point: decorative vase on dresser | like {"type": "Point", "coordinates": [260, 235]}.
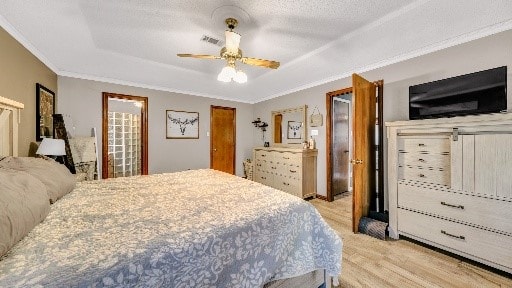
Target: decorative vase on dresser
{"type": "Point", "coordinates": [450, 185]}
{"type": "Point", "coordinates": [292, 170]}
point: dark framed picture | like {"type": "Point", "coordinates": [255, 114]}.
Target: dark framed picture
{"type": "Point", "coordinates": [182, 124]}
{"type": "Point", "coordinates": [294, 130]}
{"type": "Point", "coordinates": [45, 108]}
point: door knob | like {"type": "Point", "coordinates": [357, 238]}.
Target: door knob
{"type": "Point", "coordinates": [345, 151]}
{"type": "Point", "coordinates": [214, 150]}
{"type": "Point", "coordinates": [356, 161]}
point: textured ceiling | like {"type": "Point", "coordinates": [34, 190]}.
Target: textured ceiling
{"type": "Point", "coordinates": [135, 42]}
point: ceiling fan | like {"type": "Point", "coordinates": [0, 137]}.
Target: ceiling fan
{"type": "Point", "coordinates": [232, 53]}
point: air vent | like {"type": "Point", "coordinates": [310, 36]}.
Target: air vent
{"type": "Point", "coordinates": [212, 40]}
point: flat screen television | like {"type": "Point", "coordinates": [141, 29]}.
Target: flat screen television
{"type": "Point", "coordinates": [475, 93]}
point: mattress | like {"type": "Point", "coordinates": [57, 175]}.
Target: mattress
{"type": "Point", "coordinates": [200, 228]}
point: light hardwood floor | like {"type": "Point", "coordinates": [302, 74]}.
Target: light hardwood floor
{"type": "Point", "coordinates": [369, 262]}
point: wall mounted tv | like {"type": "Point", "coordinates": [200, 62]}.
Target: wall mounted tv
{"type": "Point", "coordinates": [475, 93]}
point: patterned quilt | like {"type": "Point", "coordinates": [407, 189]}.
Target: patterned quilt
{"type": "Point", "coordinates": [199, 228]}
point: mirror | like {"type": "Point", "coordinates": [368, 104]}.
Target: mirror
{"type": "Point", "coordinates": [289, 127]}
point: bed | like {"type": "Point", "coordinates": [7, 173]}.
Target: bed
{"type": "Point", "coordinates": [199, 228]}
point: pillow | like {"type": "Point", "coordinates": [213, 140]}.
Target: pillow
{"type": "Point", "coordinates": [23, 205]}
{"type": "Point", "coordinates": [56, 177]}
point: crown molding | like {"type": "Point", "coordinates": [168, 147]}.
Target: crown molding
{"type": "Point", "coordinates": [461, 39]}
{"type": "Point", "coordinates": [145, 86]}
{"type": "Point", "coordinates": [25, 43]}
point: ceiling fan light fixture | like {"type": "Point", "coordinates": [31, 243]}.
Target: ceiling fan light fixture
{"type": "Point", "coordinates": [232, 42]}
{"type": "Point", "coordinates": [240, 77]}
{"type": "Point", "coordinates": [228, 72]}
{"type": "Point", "coordinates": [222, 78]}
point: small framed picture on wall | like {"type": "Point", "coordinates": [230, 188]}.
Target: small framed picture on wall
{"type": "Point", "coordinates": [294, 130]}
{"type": "Point", "coordinates": [182, 124]}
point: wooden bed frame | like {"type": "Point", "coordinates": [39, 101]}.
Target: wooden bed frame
{"type": "Point", "coordinates": [9, 120]}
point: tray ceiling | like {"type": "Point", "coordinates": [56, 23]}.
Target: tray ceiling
{"type": "Point", "coordinates": [136, 42]}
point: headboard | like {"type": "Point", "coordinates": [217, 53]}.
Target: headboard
{"type": "Point", "coordinates": [9, 120]}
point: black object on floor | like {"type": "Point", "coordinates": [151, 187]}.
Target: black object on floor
{"type": "Point", "coordinates": [372, 227]}
{"type": "Point", "coordinates": [381, 216]}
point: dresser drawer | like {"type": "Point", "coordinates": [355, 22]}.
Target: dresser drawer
{"type": "Point", "coordinates": [288, 157]}
{"type": "Point", "coordinates": [425, 160]}
{"type": "Point", "coordinates": [489, 213]}
{"type": "Point", "coordinates": [476, 242]}
{"type": "Point", "coordinates": [262, 154]}
{"type": "Point", "coordinates": [425, 174]}
{"type": "Point", "coordinates": [263, 177]}
{"type": "Point", "coordinates": [291, 185]}
{"type": "Point", "coordinates": [423, 144]}
{"type": "Point", "coordinates": [290, 169]}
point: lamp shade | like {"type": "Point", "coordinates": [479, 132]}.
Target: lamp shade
{"type": "Point", "coordinates": [51, 147]}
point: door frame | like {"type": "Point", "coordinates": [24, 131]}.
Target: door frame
{"type": "Point", "coordinates": [144, 130]}
{"type": "Point", "coordinates": [380, 108]}
{"type": "Point", "coordinates": [212, 107]}
{"type": "Point", "coordinates": [328, 127]}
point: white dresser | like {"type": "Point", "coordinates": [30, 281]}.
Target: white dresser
{"type": "Point", "coordinates": [450, 185]}
{"type": "Point", "coordinates": [288, 169]}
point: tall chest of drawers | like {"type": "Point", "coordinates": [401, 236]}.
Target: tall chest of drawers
{"type": "Point", "coordinates": [450, 185]}
{"type": "Point", "coordinates": [288, 169]}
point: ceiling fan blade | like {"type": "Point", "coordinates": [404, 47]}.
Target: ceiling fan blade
{"type": "Point", "coordinates": [200, 56]}
{"type": "Point", "coordinates": [260, 62]}
{"type": "Point", "coordinates": [232, 42]}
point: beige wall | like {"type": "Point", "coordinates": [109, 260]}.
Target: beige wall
{"type": "Point", "coordinates": [81, 103]}
{"type": "Point", "coordinates": [20, 70]}
{"type": "Point", "coordinates": [481, 54]}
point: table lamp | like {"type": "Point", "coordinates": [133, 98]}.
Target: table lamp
{"type": "Point", "coordinates": [54, 148]}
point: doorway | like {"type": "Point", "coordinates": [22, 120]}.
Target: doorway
{"type": "Point", "coordinates": [124, 135]}
{"type": "Point", "coordinates": [364, 154]}
{"type": "Point", "coordinates": [223, 138]}
{"type": "Point", "coordinates": [341, 144]}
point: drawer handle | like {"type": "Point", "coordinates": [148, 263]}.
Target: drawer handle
{"type": "Point", "coordinates": [287, 184]}
{"type": "Point", "coordinates": [263, 155]}
{"type": "Point", "coordinates": [422, 176]}
{"type": "Point", "coordinates": [263, 177]}
{"type": "Point", "coordinates": [293, 171]}
{"type": "Point", "coordinates": [286, 158]}
{"type": "Point", "coordinates": [421, 144]}
{"type": "Point", "coordinates": [422, 160]}
{"type": "Point", "coordinates": [273, 167]}
{"type": "Point", "coordinates": [454, 236]}
{"type": "Point", "coordinates": [451, 205]}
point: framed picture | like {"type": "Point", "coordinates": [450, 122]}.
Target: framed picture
{"type": "Point", "coordinates": [182, 125]}
{"type": "Point", "coordinates": [45, 108]}
{"type": "Point", "coordinates": [294, 130]}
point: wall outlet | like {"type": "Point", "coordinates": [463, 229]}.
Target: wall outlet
{"type": "Point", "coordinates": [314, 132]}
{"type": "Point", "coordinates": [207, 133]}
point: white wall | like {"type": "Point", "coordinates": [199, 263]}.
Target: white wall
{"type": "Point", "coordinates": [82, 100]}
{"type": "Point", "coordinates": [485, 53]}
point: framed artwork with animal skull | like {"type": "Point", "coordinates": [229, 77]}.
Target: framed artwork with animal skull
{"type": "Point", "coordinates": [294, 130]}
{"type": "Point", "coordinates": [182, 125]}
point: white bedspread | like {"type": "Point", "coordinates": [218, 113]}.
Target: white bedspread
{"type": "Point", "coordinates": [198, 228]}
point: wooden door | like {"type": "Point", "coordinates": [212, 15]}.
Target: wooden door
{"type": "Point", "coordinates": [223, 138]}
{"type": "Point", "coordinates": [363, 161]}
